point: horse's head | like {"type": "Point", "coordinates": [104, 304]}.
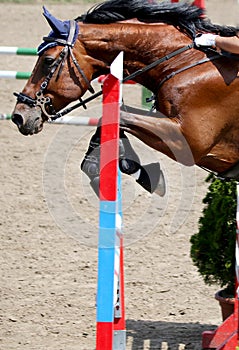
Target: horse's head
{"type": "Point", "coordinates": [61, 75]}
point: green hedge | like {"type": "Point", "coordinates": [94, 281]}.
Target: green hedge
{"type": "Point", "coordinates": [213, 247]}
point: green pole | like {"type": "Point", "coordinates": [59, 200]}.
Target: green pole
{"type": "Point", "coordinates": [26, 51]}
{"type": "Point", "coordinates": [146, 94]}
{"type": "Point", "coordinates": [23, 75]}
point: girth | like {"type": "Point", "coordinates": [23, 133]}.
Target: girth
{"type": "Point", "coordinates": [230, 174]}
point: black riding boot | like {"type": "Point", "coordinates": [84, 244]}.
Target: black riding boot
{"type": "Point", "coordinates": [91, 162]}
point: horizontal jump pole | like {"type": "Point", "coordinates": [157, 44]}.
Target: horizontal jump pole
{"type": "Point", "coordinates": [5, 116]}
{"type": "Point", "coordinates": [70, 120]}
{"type": "Point", "coordinates": [13, 50]}
{"type": "Point", "coordinates": [67, 120]}
{"type": "Point", "coordinates": [12, 74]}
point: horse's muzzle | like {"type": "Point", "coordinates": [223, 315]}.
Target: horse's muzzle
{"type": "Point", "coordinates": [29, 124]}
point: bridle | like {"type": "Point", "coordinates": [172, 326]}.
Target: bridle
{"type": "Point", "coordinates": [44, 102]}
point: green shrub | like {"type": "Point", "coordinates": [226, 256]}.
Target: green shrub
{"type": "Point", "coordinates": [213, 247]}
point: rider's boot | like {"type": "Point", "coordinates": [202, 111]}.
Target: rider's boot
{"type": "Point", "coordinates": [91, 162]}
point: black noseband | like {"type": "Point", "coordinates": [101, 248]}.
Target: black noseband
{"type": "Point", "coordinates": [22, 98]}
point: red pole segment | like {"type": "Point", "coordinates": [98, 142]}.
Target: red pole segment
{"type": "Point", "coordinates": [109, 139]}
{"type": "Point", "coordinates": [198, 3]}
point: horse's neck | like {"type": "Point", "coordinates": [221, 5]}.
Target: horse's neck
{"type": "Point", "coordinates": [141, 43]}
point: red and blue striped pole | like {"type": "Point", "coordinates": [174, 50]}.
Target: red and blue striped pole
{"type": "Point", "coordinates": [110, 293]}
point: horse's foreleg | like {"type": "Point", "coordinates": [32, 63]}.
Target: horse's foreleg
{"type": "Point", "coordinates": [149, 176]}
{"type": "Point", "coordinates": [161, 134]}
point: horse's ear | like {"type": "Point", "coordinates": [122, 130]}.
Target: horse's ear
{"type": "Point", "coordinates": [56, 25]}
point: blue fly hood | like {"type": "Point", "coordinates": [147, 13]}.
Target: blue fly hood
{"type": "Point", "coordinates": [60, 30]}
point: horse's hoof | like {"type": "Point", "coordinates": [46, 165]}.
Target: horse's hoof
{"type": "Point", "coordinates": [161, 187]}
{"type": "Point", "coordinates": [149, 177]}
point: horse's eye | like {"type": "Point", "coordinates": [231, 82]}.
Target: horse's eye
{"type": "Point", "coordinates": [48, 61]}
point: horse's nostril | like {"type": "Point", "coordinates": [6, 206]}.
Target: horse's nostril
{"type": "Point", "coordinates": [18, 119]}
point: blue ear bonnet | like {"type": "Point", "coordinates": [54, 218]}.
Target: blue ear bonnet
{"type": "Point", "coordinates": [60, 30]}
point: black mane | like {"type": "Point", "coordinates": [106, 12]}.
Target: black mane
{"type": "Point", "coordinates": [184, 16]}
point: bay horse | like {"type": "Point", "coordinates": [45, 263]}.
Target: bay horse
{"type": "Point", "coordinates": [196, 90]}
